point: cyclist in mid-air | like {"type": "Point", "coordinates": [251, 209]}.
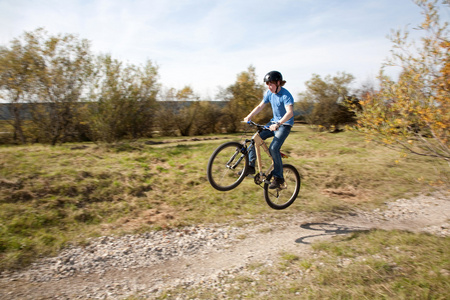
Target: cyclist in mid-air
{"type": "Point", "coordinates": [280, 125]}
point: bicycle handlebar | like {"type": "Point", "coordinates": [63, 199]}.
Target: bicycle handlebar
{"type": "Point", "coordinates": [259, 126]}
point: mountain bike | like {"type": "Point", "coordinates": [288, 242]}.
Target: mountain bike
{"type": "Point", "coordinates": [227, 168]}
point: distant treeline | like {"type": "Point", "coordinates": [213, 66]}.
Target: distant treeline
{"type": "Point", "coordinates": [26, 108]}
{"type": "Point", "coordinates": [171, 118]}
{"type": "Point", "coordinates": [55, 90]}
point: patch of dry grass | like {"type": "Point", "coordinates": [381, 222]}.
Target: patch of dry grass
{"type": "Point", "coordinates": [51, 196]}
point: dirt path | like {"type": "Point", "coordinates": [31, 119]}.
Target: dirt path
{"type": "Point", "coordinates": [256, 243]}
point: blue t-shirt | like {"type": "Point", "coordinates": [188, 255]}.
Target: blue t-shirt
{"type": "Point", "coordinates": [279, 102]}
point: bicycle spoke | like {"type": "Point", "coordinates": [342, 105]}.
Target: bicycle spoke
{"type": "Point", "coordinates": [224, 166]}
{"type": "Point", "coordinates": [283, 197]}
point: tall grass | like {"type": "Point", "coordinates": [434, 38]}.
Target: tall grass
{"type": "Point", "coordinates": [52, 196]}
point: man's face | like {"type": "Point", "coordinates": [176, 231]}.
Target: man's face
{"type": "Point", "coordinates": [273, 86]}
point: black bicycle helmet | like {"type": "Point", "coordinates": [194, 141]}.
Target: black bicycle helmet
{"type": "Point", "coordinates": [273, 76]}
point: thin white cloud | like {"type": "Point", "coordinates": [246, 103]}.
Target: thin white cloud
{"type": "Point", "coordinates": [206, 43]}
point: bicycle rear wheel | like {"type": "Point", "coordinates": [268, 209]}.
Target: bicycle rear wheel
{"type": "Point", "coordinates": [283, 197]}
{"type": "Point", "coordinates": [227, 166]}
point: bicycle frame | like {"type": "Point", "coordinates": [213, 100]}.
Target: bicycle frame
{"type": "Point", "coordinates": [259, 143]}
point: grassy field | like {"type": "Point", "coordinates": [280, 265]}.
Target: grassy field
{"type": "Point", "coordinates": [54, 196]}
{"type": "Point", "coordinates": [375, 264]}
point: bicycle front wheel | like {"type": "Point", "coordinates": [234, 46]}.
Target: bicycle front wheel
{"type": "Point", "coordinates": [227, 166]}
{"type": "Point", "coordinates": [284, 196]}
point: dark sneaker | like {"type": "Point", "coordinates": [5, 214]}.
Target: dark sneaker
{"type": "Point", "coordinates": [276, 183]}
{"type": "Point", "coordinates": [250, 171]}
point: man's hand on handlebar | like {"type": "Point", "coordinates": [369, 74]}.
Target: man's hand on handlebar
{"type": "Point", "coordinates": [274, 127]}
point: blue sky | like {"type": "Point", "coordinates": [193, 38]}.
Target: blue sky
{"type": "Point", "coordinates": [206, 43]}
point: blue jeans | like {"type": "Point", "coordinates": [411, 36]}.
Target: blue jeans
{"type": "Point", "coordinates": [279, 137]}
